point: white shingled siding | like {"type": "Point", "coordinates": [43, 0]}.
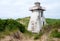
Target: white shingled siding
{"type": "Point", "coordinates": [36, 22]}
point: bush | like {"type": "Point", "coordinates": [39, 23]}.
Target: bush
{"type": "Point", "coordinates": [55, 33]}
{"type": "Point", "coordinates": [37, 36]}
{"type": "Point", "coordinates": [9, 25]}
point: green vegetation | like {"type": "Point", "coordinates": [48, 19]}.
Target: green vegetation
{"type": "Point", "coordinates": [52, 24]}
{"type": "Point", "coordinates": [55, 27]}
{"type": "Point", "coordinates": [8, 26]}
{"type": "Point", "coordinates": [24, 21]}
{"type": "Point", "coordinates": [55, 33]}
{"type": "Point", "coordinates": [52, 21]}
{"type": "Point", "coordinates": [37, 36]}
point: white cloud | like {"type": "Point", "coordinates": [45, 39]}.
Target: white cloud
{"type": "Point", "coordinates": [20, 8]}
{"type": "Point", "coordinates": [52, 6]}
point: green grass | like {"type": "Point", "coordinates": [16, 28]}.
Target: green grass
{"type": "Point", "coordinates": [52, 21]}
{"type": "Point", "coordinates": [24, 21]}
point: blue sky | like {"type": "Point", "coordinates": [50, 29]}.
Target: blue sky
{"type": "Point", "coordinates": [20, 8]}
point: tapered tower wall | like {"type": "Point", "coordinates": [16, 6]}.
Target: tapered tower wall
{"type": "Point", "coordinates": [37, 19]}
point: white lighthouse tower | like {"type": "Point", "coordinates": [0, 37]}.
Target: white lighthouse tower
{"type": "Point", "coordinates": [37, 20]}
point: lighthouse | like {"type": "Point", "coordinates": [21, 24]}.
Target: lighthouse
{"type": "Point", "coordinates": [37, 19]}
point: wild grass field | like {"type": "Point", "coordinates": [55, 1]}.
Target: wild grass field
{"type": "Point", "coordinates": [8, 26]}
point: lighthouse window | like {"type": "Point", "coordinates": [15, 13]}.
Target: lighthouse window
{"type": "Point", "coordinates": [43, 23]}
{"type": "Point", "coordinates": [41, 13]}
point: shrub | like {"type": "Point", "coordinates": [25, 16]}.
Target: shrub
{"type": "Point", "coordinates": [55, 33]}
{"type": "Point", "coordinates": [9, 25]}
{"type": "Point", "coordinates": [37, 36]}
